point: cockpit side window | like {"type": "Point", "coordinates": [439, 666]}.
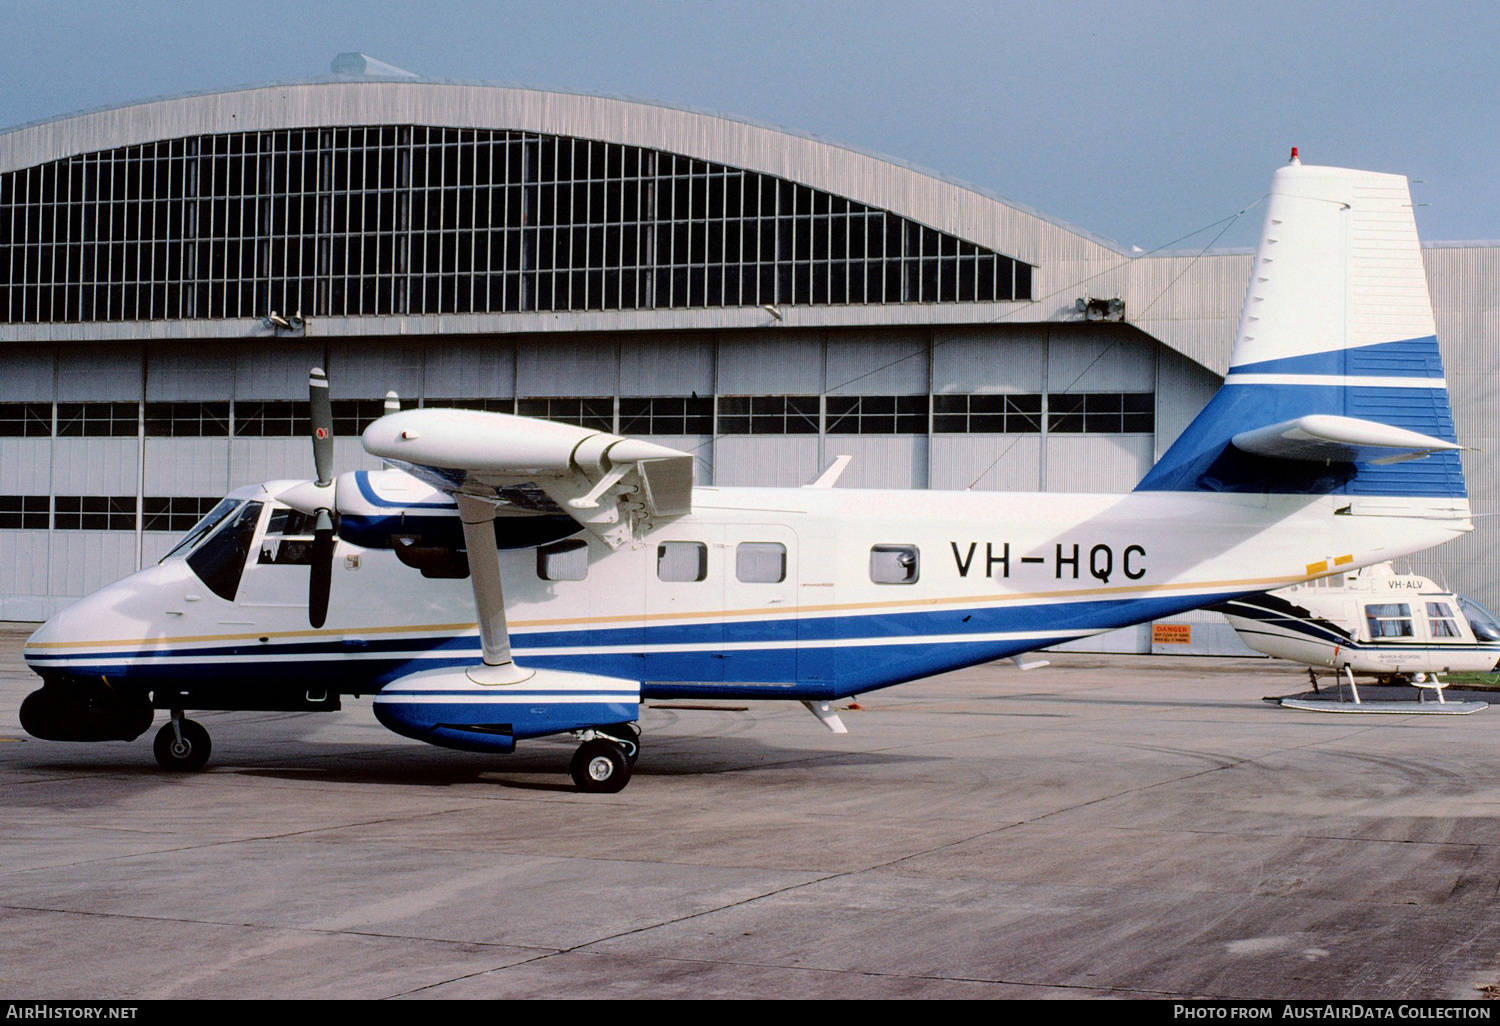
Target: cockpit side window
{"type": "Point", "coordinates": [219, 561]}
{"type": "Point", "coordinates": [201, 528]}
{"type": "Point", "coordinates": [289, 538]}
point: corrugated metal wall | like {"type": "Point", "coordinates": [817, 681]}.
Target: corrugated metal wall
{"type": "Point", "coordinates": [1464, 282]}
{"type": "Point", "coordinates": [45, 569]}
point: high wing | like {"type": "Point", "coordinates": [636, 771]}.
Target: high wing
{"type": "Point", "coordinates": [618, 488]}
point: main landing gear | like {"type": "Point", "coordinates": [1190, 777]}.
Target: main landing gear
{"type": "Point", "coordinates": [182, 745]}
{"type": "Point", "coordinates": [603, 762]}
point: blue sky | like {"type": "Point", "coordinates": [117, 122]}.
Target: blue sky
{"type": "Point", "coordinates": [1141, 121]}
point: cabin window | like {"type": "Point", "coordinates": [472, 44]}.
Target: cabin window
{"type": "Point", "coordinates": [1389, 620]}
{"type": "Point", "coordinates": [219, 561]}
{"type": "Point", "coordinates": [682, 561]}
{"type": "Point", "coordinates": [1441, 621]}
{"type": "Point", "coordinates": [563, 561]}
{"type": "Point", "coordinates": [894, 564]}
{"type": "Point", "coordinates": [760, 562]}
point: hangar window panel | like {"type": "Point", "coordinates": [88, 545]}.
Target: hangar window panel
{"type": "Point", "coordinates": [25, 420]}
{"type": "Point", "coordinates": [487, 405]}
{"type": "Point", "coordinates": [408, 219]}
{"type": "Point", "coordinates": [175, 513]}
{"type": "Point", "coordinates": [93, 512]}
{"type": "Point", "coordinates": [596, 412]}
{"type": "Point", "coordinates": [666, 415]}
{"type": "Point", "coordinates": [187, 420]}
{"type": "Point", "coordinates": [877, 414]}
{"type": "Point", "coordinates": [1001, 414]}
{"type": "Point", "coordinates": [1101, 412]}
{"type": "Point", "coordinates": [271, 419]}
{"type": "Point", "coordinates": [94, 420]}
{"type": "Point", "coordinates": [768, 415]}
{"type": "Point", "coordinates": [24, 512]}
{"type": "Point", "coordinates": [352, 416]}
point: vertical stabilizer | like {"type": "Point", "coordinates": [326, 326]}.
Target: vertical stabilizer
{"type": "Point", "coordinates": [1339, 267]}
{"type": "Point", "coordinates": [1337, 330]}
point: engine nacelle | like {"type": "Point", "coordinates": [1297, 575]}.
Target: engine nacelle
{"type": "Point", "coordinates": [446, 708]}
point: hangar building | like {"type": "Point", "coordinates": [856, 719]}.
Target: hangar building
{"type": "Point", "coordinates": [169, 271]}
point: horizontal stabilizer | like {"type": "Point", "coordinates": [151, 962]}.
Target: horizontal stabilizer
{"type": "Point", "coordinates": [1330, 438]}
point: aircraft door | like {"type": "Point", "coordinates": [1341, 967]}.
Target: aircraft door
{"type": "Point", "coordinates": [684, 629]}
{"type": "Point", "coordinates": [760, 602]}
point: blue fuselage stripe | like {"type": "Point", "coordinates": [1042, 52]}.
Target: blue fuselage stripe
{"type": "Point", "coordinates": [813, 655]}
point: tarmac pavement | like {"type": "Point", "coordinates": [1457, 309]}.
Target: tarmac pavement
{"type": "Point", "coordinates": [1106, 826]}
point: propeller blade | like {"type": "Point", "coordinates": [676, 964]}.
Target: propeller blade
{"type": "Point", "coordinates": [320, 412]}
{"type": "Point", "coordinates": [320, 581]}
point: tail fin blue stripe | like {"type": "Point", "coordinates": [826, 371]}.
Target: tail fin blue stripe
{"type": "Point", "coordinates": [1408, 358]}
{"type": "Point", "coordinates": [1203, 459]}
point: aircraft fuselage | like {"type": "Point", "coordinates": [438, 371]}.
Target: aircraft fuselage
{"type": "Point", "coordinates": [758, 593]}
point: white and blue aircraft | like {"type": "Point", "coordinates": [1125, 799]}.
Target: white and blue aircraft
{"type": "Point", "coordinates": [601, 577]}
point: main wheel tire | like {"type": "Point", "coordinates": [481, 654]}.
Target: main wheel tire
{"type": "Point", "coordinates": [184, 756]}
{"type": "Point", "coordinates": [600, 767]}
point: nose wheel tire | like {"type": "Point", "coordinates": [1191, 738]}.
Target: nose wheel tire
{"type": "Point", "coordinates": [182, 746]}
{"type": "Point", "coordinates": [600, 767]}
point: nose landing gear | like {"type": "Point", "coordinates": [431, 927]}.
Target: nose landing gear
{"type": "Point", "coordinates": [182, 745]}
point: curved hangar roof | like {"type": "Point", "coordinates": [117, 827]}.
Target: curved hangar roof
{"type": "Point", "coordinates": [408, 207]}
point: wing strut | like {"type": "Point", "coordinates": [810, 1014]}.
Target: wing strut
{"type": "Point", "coordinates": [478, 518]}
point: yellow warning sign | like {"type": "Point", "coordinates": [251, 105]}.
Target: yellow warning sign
{"type": "Point", "coordinates": [1171, 634]}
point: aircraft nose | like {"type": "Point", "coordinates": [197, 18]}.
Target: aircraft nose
{"type": "Point", "coordinates": [125, 609]}
{"type": "Point", "coordinates": [79, 622]}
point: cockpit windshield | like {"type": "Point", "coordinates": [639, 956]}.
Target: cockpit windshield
{"type": "Point", "coordinates": [201, 528]}
{"type": "Point", "coordinates": [1486, 627]}
{"type": "Point", "coordinates": [219, 561]}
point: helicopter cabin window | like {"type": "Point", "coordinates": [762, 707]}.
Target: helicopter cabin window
{"type": "Point", "coordinates": [760, 562]}
{"type": "Point", "coordinates": [1440, 620]}
{"type": "Point", "coordinates": [289, 538]}
{"type": "Point", "coordinates": [563, 561]}
{"type": "Point", "coordinates": [219, 561]}
{"type": "Point", "coordinates": [894, 564]}
{"type": "Point", "coordinates": [1389, 620]}
{"type": "Point", "coordinates": [680, 561]}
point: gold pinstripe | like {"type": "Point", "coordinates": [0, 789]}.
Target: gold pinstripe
{"type": "Point", "coordinates": [1254, 583]}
